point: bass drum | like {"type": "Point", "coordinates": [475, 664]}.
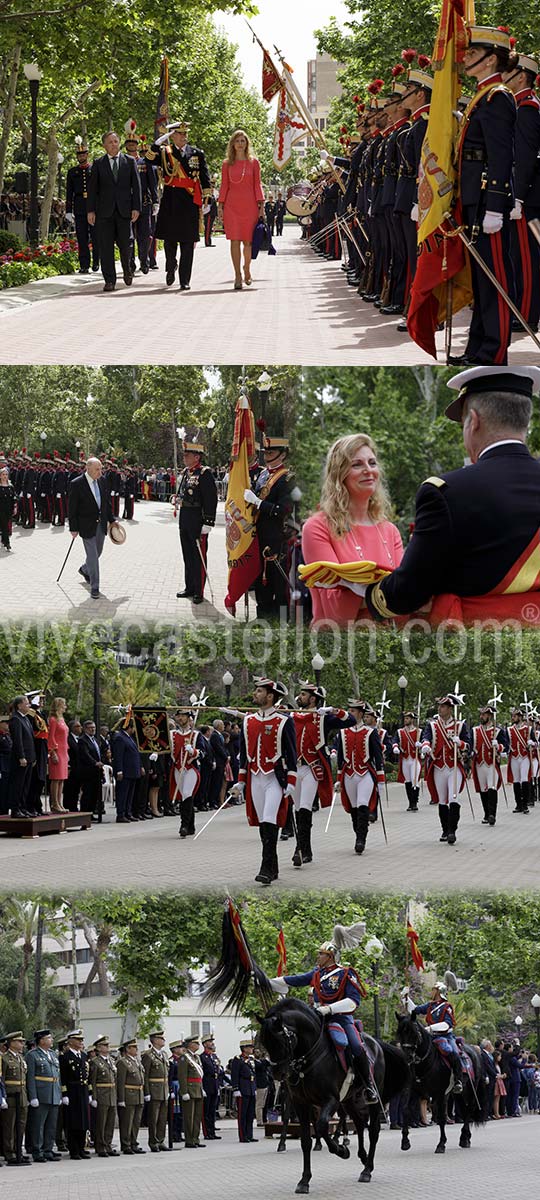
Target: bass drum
{"type": "Point", "coordinates": [300, 206]}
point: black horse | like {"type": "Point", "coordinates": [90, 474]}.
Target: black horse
{"type": "Point", "coordinates": [432, 1079]}
{"type": "Point", "coordinates": [303, 1057]}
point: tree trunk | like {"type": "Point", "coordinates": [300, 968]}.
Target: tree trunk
{"type": "Point", "coordinates": [28, 951]}
{"type": "Point", "coordinates": [76, 994]}
{"type": "Point", "coordinates": [9, 109]}
{"type": "Point", "coordinates": [39, 960]}
{"type": "Point", "coordinates": [50, 184]}
{"type": "Point", "coordinates": [131, 1016]}
{"type": "Point", "coordinates": [98, 946]}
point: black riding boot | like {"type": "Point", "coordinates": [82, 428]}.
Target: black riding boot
{"type": "Point", "coordinates": [187, 819]}
{"type": "Point", "coordinates": [485, 797]}
{"type": "Point", "coordinates": [298, 856]}
{"type": "Point", "coordinates": [518, 798]}
{"type": "Point", "coordinates": [408, 791]}
{"type": "Point", "coordinates": [443, 818]}
{"type": "Point", "coordinates": [362, 824]}
{"type": "Point", "coordinates": [532, 792]}
{"type": "Point", "coordinates": [363, 1077]}
{"type": "Point", "coordinates": [457, 1071]}
{"type": "Point", "coordinates": [265, 871]}
{"type": "Point", "coordinates": [525, 795]}
{"type": "Point", "coordinates": [303, 846]}
{"type": "Point", "coordinates": [415, 794]}
{"type": "Point", "coordinates": [492, 803]}
{"type": "Point", "coordinates": [272, 852]}
{"type": "Point", "coordinates": [454, 812]}
{"type": "Point", "coordinates": [307, 852]}
{"type": "Point", "coordinates": [288, 828]}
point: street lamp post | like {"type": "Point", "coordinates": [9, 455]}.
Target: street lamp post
{"type": "Point", "coordinates": [43, 439]}
{"type": "Point", "coordinates": [33, 75]}
{"type": "Point", "coordinates": [228, 681]}
{"type": "Point", "coordinates": [264, 383]}
{"type": "Point", "coordinates": [518, 1022]}
{"type": "Point", "coordinates": [536, 1005]}
{"type": "Point", "coordinates": [210, 425]}
{"type": "Point", "coordinates": [317, 663]}
{"type": "Point", "coordinates": [402, 685]}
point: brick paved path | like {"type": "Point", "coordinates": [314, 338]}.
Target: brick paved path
{"type": "Point", "coordinates": [300, 311]}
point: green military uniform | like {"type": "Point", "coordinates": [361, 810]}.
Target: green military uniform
{"type": "Point", "coordinates": [156, 1087]}
{"type": "Point", "coordinates": [102, 1085]}
{"type": "Point", "coordinates": [130, 1099]}
{"type": "Point", "coordinates": [45, 1096]}
{"type": "Point", "coordinates": [14, 1116]}
{"type": "Point", "coordinates": [190, 1074]}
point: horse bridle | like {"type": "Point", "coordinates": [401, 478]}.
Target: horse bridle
{"type": "Point", "coordinates": [299, 1066]}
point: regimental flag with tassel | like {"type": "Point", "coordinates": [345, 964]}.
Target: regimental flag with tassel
{"type": "Point", "coordinates": [442, 283]}
{"type": "Point", "coordinates": [289, 129]}
{"type": "Point", "coordinates": [231, 978]}
{"type": "Point", "coordinates": [162, 108]}
{"type": "Point", "coordinates": [271, 79]}
{"type": "Point", "coordinates": [151, 730]}
{"type": "Point", "coordinates": [281, 953]}
{"type": "Point", "coordinates": [414, 947]}
{"type": "Point", "coordinates": [243, 554]}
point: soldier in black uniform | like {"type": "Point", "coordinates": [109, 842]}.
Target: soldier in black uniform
{"type": "Point", "coordinates": [74, 1074]}
{"type": "Point", "coordinates": [475, 528]}
{"type": "Point", "coordinates": [270, 214]}
{"type": "Point", "coordinates": [141, 229]}
{"type": "Point", "coordinates": [186, 183]}
{"type": "Point", "coordinates": [271, 496]}
{"type": "Point", "coordinates": [281, 209]}
{"type": "Point", "coordinates": [60, 483]}
{"type": "Point", "coordinates": [197, 499]}
{"type": "Point", "coordinates": [210, 214]}
{"type": "Point", "coordinates": [486, 154]}
{"type": "Point", "coordinates": [409, 147]}
{"type": "Point", "coordinates": [520, 78]}
{"type": "Point", "coordinates": [76, 209]}
{"type": "Point", "coordinates": [211, 1075]}
{"type": "Point", "coordinates": [245, 1090]}
{"type": "Point", "coordinates": [128, 488]}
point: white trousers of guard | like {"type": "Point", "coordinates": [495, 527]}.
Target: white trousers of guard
{"type": "Point", "coordinates": [444, 783]}
{"type": "Point", "coordinates": [185, 781]}
{"type": "Point", "coordinates": [520, 768]}
{"type": "Point", "coordinates": [411, 770]}
{"type": "Point", "coordinates": [266, 794]}
{"type": "Point", "coordinates": [305, 788]}
{"type": "Point", "coordinates": [359, 789]}
{"type": "Point", "coordinates": [487, 778]}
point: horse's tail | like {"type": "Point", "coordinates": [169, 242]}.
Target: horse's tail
{"type": "Point", "coordinates": [237, 968]}
{"type": "Point", "coordinates": [477, 1096]}
{"type": "Point", "coordinates": [396, 1071]}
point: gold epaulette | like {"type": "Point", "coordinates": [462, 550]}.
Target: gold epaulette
{"type": "Point", "coordinates": [436, 481]}
{"type": "Point", "coordinates": [151, 155]}
{"type": "Point", "coordinates": [500, 87]}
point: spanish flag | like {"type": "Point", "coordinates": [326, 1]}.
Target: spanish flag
{"type": "Point", "coordinates": [442, 284]}
{"type": "Point", "coordinates": [243, 554]}
{"type": "Point", "coordinates": [162, 117]}
{"type": "Point", "coordinates": [414, 947]}
{"type": "Point", "coordinates": [333, 574]}
{"type": "Point", "coordinates": [282, 953]}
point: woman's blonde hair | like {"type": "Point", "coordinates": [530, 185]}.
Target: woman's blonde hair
{"type": "Point", "coordinates": [335, 499]}
{"type": "Point", "coordinates": [231, 155]}
{"type": "Point", "coordinates": [53, 711]}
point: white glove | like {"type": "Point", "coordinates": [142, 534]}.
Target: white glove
{"type": "Point", "coordinates": [171, 1096]}
{"type": "Point", "coordinates": [121, 1104]}
{"type": "Point", "coordinates": [237, 1093]}
{"type": "Point", "coordinates": [517, 211]}
{"type": "Point", "coordinates": [237, 789]}
{"type": "Point", "coordinates": [324, 1009]}
{"type": "Point", "coordinates": [359, 589]}
{"type": "Point", "coordinates": [147, 1098]}
{"type": "Point", "coordinates": [492, 223]}
{"type": "Point", "coordinates": [70, 218]}
{"type": "Point", "coordinates": [4, 1103]}
{"type": "Point", "coordinates": [457, 113]}
{"type": "Point", "coordinates": [155, 209]}
{"type": "Point", "coordinates": [531, 743]}
{"type": "Point", "coordinates": [154, 757]}
{"type": "Point", "coordinates": [34, 1104]}
{"type": "Point", "coordinates": [278, 985]}
{"type": "Point", "coordinates": [456, 740]}
{"type": "Point", "coordinates": [206, 529]}
{"type": "Point", "coordinates": [426, 750]}
{"type": "Point", "coordinates": [93, 1103]}
{"type": "Point", "coordinates": [414, 212]}
{"type": "Point", "coordinates": [324, 154]}
{"type": "Point", "coordinates": [186, 1097]}
{"type": "Point", "coordinates": [160, 141]}
{"type": "Point", "coordinates": [418, 745]}
{"type": "Point", "coordinates": [396, 750]}
{"type": "Point", "coordinates": [252, 498]}
{"type": "Point", "coordinates": [65, 1100]}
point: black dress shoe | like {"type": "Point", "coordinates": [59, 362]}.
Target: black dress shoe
{"type": "Point", "coordinates": [112, 1153]}
{"type": "Point", "coordinates": [170, 278]}
{"type": "Point", "coordinates": [184, 595]}
{"type": "Point", "coordinates": [185, 287]}
{"type": "Point", "coordinates": [461, 360]}
{"type": "Point", "coordinates": [85, 1154]}
{"type": "Point", "coordinates": [41, 1160]}
{"type": "Point", "coordinates": [128, 1151]}
{"type": "Point", "coordinates": [162, 1146]}
{"type": "Point", "coordinates": [102, 1154]}
{"type": "Point", "coordinates": [75, 1157]}
{"type": "Point", "coordinates": [52, 1157]}
{"type": "Point", "coordinates": [145, 272]}
{"type": "Point", "coordinates": [154, 1149]}
{"type": "Point", "coordinates": [138, 1150]}
{"type": "Point", "coordinates": [153, 267]}
{"type": "Point", "coordinates": [128, 279]}
{"type": "Point", "coordinates": [109, 287]}
{"type": "Point", "coordinates": [122, 821]}
{"type": "Point", "coordinates": [84, 574]}
{"type": "Point", "coordinates": [197, 599]}
{"type": "Point", "coordinates": [94, 594]}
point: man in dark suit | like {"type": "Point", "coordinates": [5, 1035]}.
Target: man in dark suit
{"type": "Point", "coordinates": [127, 767]}
{"type": "Point", "coordinates": [114, 202]}
{"type": "Point", "coordinates": [90, 769]}
{"type": "Point", "coordinates": [90, 514]}
{"type": "Point", "coordinates": [477, 528]}
{"type": "Point", "coordinates": [23, 756]}
{"type": "Point", "coordinates": [221, 759]}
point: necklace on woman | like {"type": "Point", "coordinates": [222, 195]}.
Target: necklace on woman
{"type": "Point", "coordinates": [243, 161]}
{"type": "Point", "coordinates": [380, 534]}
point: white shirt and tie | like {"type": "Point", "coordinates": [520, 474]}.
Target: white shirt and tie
{"type": "Point", "coordinates": [94, 488]}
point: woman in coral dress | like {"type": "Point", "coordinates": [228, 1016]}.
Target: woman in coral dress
{"type": "Point", "coordinates": [241, 202]}
{"type": "Point", "coordinates": [351, 526]}
{"type": "Point", "coordinates": [58, 753]}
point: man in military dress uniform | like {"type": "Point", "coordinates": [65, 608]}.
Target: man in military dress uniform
{"type": "Point", "coordinates": [313, 723]}
{"type": "Point", "coordinates": [102, 1084]}
{"type": "Point", "coordinates": [337, 992]}
{"type": "Point", "coordinates": [520, 78]}
{"type": "Point", "coordinates": [444, 741]}
{"type": "Point", "coordinates": [190, 1076]}
{"type": "Point", "coordinates": [488, 743]}
{"type": "Point", "coordinates": [405, 748]}
{"type": "Point", "coordinates": [186, 183]}
{"type": "Point", "coordinates": [360, 770]}
{"type": "Point", "coordinates": [271, 497]}
{"type": "Point", "coordinates": [156, 1089]}
{"type": "Point", "coordinates": [74, 1072]}
{"type": "Point", "coordinates": [211, 1068]}
{"type": "Point", "coordinates": [440, 1021]}
{"type": "Point", "coordinates": [521, 742]}
{"type": "Point", "coordinates": [267, 770]}
{"type": "Point", "coordinates": [196, 497]}
{"type": "Point", "coordinates": [485, 156]}
{"type": "Point", "coordinates": [244, 1087]}
{"type": "Point", "coordinates": [14, 1117]}
{"type": "Point", "coordinates": [476, 528]}
{"type": "Point", "coordinates": [141, 229]}
{"type": "Point", "coordinates": [77, 180]}
{"type": "Point", "coordinates": [45, 1096]}
{"type": "Point", "coordinates": [187, 746]}
{"type": "Point", "coordinates": [129, 1096]}
{"type": "Point", "coordinates": [418, 100]}
{"type": "Point", "coordinates": [60, 483]}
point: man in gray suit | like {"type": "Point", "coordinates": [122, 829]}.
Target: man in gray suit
{"type": "Point", "coordinates": [90, 515]}
{"type": "Point", "coordinates": [44, 1096]}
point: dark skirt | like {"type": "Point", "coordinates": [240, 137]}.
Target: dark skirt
{"type": "Point", "coordinates": [178, 216]}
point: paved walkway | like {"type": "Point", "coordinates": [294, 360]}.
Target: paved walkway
{"type": "Point", "coordinates": [502, 1153]}
{"type": "Point", "coordinates": [139, 580]}
{"type": "Point", "coordinates": [300, 310]}
{"type": "Point", "coordinates": [227, 855]}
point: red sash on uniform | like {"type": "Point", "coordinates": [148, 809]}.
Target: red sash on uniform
{"type": "Point", "coordinates": [484, 752]}
{"type": "Point", "coordinates": [309, 728]}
